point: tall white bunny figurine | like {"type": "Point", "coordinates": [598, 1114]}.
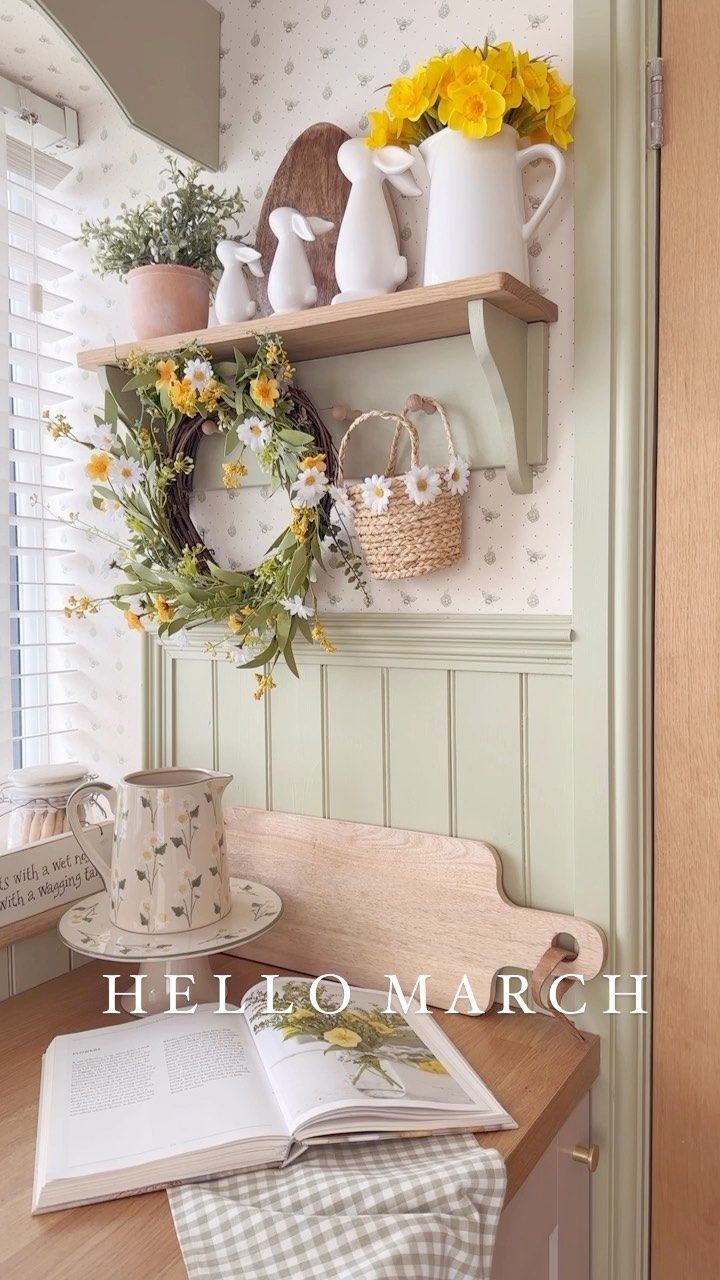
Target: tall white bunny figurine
{"type": "Point", "coordinates": [291, 284]}
{"type": "Point", "coordinates": [233, 303]}
{"type": "Point", "coordinates": [368, 259]}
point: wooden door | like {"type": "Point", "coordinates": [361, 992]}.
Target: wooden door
{"type": "Point", "coordinates": [685, 1213]}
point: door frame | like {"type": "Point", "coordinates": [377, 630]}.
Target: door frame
{"type": "Point", "coordinates": [616, 203]}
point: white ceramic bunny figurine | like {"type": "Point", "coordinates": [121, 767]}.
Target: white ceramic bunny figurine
{"type": "Point", "coordinates": [233, 303]}
{"type": "Point", "coordinates": [291, 284]}
{"type": "Point", "coordinates": [368, 259]}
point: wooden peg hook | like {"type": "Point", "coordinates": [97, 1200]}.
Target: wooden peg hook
{"type": "Point", "coordinates": [419, 404]}
{"type": "Point", "coordinates": [343, 412]}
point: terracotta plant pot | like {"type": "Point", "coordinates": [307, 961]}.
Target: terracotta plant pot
{"type": "Point", "coordinates": [167, 299]}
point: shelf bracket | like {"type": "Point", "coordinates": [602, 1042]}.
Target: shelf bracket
{"type": "Point", "coordinates": [513, 358]}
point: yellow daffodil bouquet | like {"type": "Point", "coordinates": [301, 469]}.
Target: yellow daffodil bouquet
{"type": "Point", "coordinates": [477, 91]}
{"type": "Point", "coordinates": [142, 470]}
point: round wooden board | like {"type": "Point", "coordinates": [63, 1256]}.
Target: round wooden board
{"type": "Point", "coordinates": [310, 181]}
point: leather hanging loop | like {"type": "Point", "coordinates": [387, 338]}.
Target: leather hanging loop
{"type": "Point", "coordinates": [545, 970]}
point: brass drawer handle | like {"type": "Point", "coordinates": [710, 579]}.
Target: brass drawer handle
{"type": "Point", "coordinates": [589, 1156]}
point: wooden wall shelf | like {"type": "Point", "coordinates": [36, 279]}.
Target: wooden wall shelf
{"type": "Point", "coordinates": [413, 315]}
{"type": "Point", "coordinates": [505, 319]}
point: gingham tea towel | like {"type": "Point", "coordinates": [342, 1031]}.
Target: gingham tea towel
{"type": "Point", "coordinates": [415, 1209]}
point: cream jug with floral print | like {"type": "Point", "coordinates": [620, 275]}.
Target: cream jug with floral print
{"type": "Point", "coordinates": [168, 868]}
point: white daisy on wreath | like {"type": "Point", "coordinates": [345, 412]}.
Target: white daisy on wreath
{"type": "Point", "coordinates": [198, 373]}
{"type": "Point", "coordinates": [296, 606]}
{"type": "Point", "coordinates": [103, 437]}
{"type": "Point", "coordinates": [126, 473]}
{"type": "Point", "coordinates": [376, 494]}
{"type": "Point", "coordinates": [341, 501]}
{"type": "Point", "coordinates": [253, 432]}
{"type": "Point", "coordinates": [458, 475]}
{"type": "Point", "coordinates": [310, 486]}
{"type": "Point", "coordinates": [422, 484]}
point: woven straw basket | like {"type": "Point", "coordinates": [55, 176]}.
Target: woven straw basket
{"type": "Point", "coordinates": [407, 540]}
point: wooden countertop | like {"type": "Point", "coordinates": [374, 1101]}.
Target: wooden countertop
{"type": "Point", "coordinates": [536, 1068]}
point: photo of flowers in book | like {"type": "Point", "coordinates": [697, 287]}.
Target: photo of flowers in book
{"type": "Point", "coordinates": [369, 1041]}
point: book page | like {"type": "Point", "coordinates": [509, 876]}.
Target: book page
{"type": "Point", "coordinates": [360, 1060]}
{"type": "Point", "coordinates": [164, 1086]}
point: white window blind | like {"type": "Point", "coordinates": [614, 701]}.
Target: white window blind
{"type": "Point", "coordinates": [37, 698]}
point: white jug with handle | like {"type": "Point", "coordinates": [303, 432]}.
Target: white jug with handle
{"type": "Point", "coordinates": [476, 213]}
{"type": "Point", "coordinates": [168, 868]}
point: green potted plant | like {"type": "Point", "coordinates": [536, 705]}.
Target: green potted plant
{"type": "Point", "coordinates": [166, 250]}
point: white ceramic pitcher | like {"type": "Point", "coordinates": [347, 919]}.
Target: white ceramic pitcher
{"type": "Point", "coordinates": [168, 870]}
{"type": "Point", "coordinates": [476, 213]}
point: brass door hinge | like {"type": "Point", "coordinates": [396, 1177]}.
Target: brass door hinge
{"type": "Point", "coordinates": [655, 104]}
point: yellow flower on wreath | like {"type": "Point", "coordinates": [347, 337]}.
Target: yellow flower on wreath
{"type": "Point", "coordinates": [233, 474]}
{"type": "Point", "coordinates": [210, 395]}
{"type": "Point", "coordinates": [164, 610]}
{"type": "Point", "coordinates": [98, 465]}
{"type": "Point", "coordinates": [235, 622]}
{"type": "Point", "coordinates": [265, 391]}
{"type": "Point", "coordinates": [475, 108]}
{"type": "Point", "coordinates": [343, 1036]}
{"type": "Point", "coordinates": [182, 396]}
{"type": "Point", "coordinates": [314, 460]}
{"type": "Point", "coordinates": [134, 620]}
{"type": "Point", "coordinates": [166, 370]}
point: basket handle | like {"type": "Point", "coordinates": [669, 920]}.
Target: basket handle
{"type": "Point", "coordinates": [426, 404]}
{"type": "Point", "coordinates": [401, 423]}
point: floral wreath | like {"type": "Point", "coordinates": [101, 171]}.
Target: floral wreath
{"type": "Point", "coordinates": [143, 469]}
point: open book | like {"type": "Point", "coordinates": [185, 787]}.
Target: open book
{"type": "Point", "coordinates": [185, 1097]}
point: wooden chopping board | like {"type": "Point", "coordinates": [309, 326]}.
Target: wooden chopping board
{"type": "Point", "coordinates": [310, 181]}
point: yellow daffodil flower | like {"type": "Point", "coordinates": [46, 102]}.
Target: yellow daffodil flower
{"type": "Point", "coordinates": [501, 60]}
{"type": "Point", "coordinates": [98, 465]}
{"type": "Point", "coordinates": [475, 108]}
{"type": "Point", "coordinates": [409, 97]}
{"type": "Point", "coordinates": [532, 73]}
{"type": "Point", "coordinates": [385, 131]}
{"type": "Point", "coordinates": [265, 391]}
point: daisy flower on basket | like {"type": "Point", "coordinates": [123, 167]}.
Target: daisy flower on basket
{"type": "Point", "coordinates": [376, 494]}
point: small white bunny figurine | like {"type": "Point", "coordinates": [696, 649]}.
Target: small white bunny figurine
{"type": "Point", "coordinates": [368, 259]}
{"type": "Point", "coordinates": [291, 284]}
{"type": "Point", "coordinates": [233, 303]}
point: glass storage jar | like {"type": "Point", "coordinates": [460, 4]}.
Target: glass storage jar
{"type": "Point", "coordinates": [36, 799]}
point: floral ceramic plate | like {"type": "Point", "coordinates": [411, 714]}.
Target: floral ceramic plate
{"type": "Point", "coordinates": [86, 927]}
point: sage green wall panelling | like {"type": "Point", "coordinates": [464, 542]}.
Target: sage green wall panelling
{"type": "Point", "coordinates": [418, 737]}
{"type": "Point", "coordinates": [296, 766]}
{"type": "Point", "coordinates": [549, 792]}
{"type": "Point", "coordinates": [191, 710]}
{"type": "Point", "coordinates": [240, 732]}
{"type": "Point", "coordinates": [489, 767]}
{"type": "Point", "coordinates": [356, 747]}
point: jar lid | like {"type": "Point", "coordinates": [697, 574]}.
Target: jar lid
{"type": "Point", "coordinates": [47, 779]}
